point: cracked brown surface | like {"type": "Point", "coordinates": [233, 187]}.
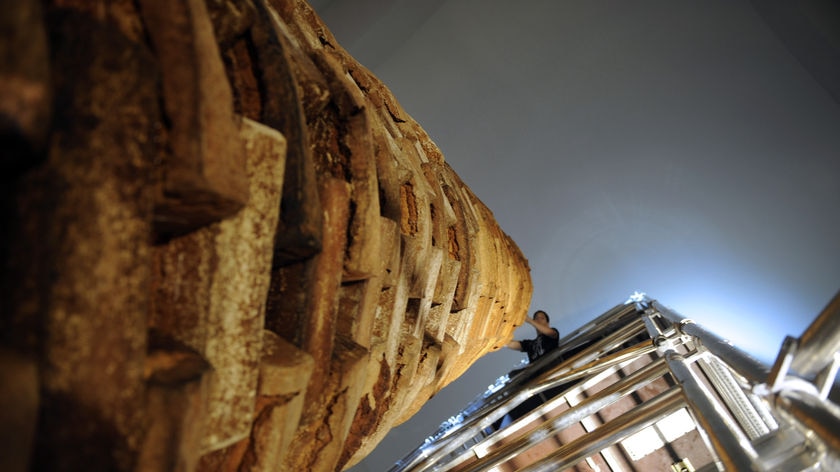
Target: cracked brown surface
{"type": "Point", "coordinates": [228, 247]}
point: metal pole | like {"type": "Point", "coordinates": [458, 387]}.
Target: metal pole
{"type": "Point", "coordinates": [613, 315]}
{"type": "Point", "coordinates": [595, 365]}
{"type": "Point", "coordinates": [591, 374]}
{"type": "Point", "coordinates": [819, 341]}
{"type": "Point", "coordinates": [567, 418]}
{"type": "Point", "coordinates": [535, 387]}
{"type": "Point", "coordinates": [820, 417]}
{"type": "Point", "coordinates": [731, 445]}
{"type": "Point", "coordinates": [596, 350]}
{"type": "Point", "coordinates": [502, 401]}
{"type": "Point", "coordinates": [754, 370]}
{"type": "Point", "coordinates": [582, 335]}
{"type": "Point", "coordinates": [610, 433]}
{"type": "Point", "coordinates": [615, 312]}
{"type": "Point", "coordinates": [514, 429]}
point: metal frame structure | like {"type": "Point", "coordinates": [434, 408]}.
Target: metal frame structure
{"type": "Point", "coordinates": [629, 369]}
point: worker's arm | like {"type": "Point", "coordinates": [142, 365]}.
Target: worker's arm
{"type": "Point", "coordinates": [543, 328]}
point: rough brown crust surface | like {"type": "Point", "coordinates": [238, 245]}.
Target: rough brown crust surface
{"type": "Point", "coordinates": [229, 247]}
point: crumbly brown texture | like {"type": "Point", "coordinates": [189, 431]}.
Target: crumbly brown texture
{"type": "Point", "coordinates": [226, 245]}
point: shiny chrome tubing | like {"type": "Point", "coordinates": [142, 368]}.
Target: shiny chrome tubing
{"type": "Point", "coordinates": [585, 334]}
{"type": "Point", "coordinates": [484, 418]}
{"type": "Point", "coordinates": [593, 351]}
{"type": "Point", "coordinates": [615, 312]}
{"type": "Point", "coordinates": [821, 417]}
{"type": "Point", "coordinates": [751, 368]}
{"type": "Point", "coordinates": [536, 386]}
{"type": "Point", "coordinates": [515, 429]}
{"type": "Point", "coordinates": [732, 447]}
{"type": "Point", "coordinates": [591, 329]}
{"type": "Point", "coordinates": [612, 360]}
{"type": "Point", "coordinates": [819, 341]}
{"type": "Point", "coordinates": [611, 432]}
{"type": "Point", "coordinates": [589, 373]}
{"type": "Point", "coordinates": [497, 405]}
{"type": "Point", "coordinates": [597, 350]}
{"type": "Point", "coordinates": [584, 409]}
{"type": "Point", "coordinates": [450, 443]}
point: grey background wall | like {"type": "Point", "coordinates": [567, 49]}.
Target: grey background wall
{"type": "Point", "coordinates": [686, 149]}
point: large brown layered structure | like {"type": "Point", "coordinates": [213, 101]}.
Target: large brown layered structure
{"type": "Point", "coordinates": [226, 245]}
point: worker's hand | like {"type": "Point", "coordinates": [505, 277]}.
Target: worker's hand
{"type": "Point", "coordinates": [534, 322]}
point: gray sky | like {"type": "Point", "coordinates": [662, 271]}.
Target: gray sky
{"type": "Point", "coordinates": [677, 148]}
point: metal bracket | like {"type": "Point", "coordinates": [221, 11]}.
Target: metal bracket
{"type": "Point", "coordinates": [682, 466]}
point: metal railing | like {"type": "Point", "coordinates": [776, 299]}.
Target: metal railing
{"type": "Point", "coordinates": [629, 370]}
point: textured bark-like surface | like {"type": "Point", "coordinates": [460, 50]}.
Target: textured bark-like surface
{"type": "Point", "coordinates": [280, 72]}
{"type": "Point", "coordinates": [95, 246]}
{"type": "Point", "coordinates": [203, 176]}
{"type": "Point", "coordinates": [230, 248]}
{"type": "Point", "coordinates": [211, 287]}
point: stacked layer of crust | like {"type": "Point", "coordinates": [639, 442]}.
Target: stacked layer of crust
{"type": "Point", "coordinates": [229, 247]}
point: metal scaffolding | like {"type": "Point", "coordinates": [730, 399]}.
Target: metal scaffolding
{"type": "Point", "coordinates": [642, 388]}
